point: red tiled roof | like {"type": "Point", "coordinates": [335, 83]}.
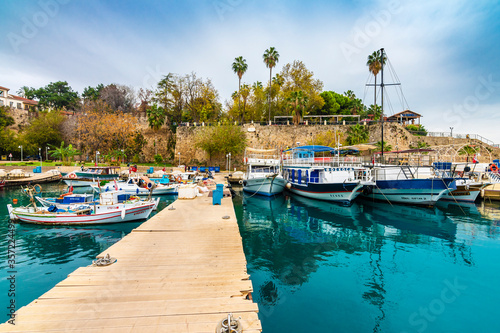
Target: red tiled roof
{"type": "Point", "coordinates": [3, 88]}
{"type": "Point", "coordinates": [24, 100]}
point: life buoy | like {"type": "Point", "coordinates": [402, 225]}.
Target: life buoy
{"type": "Point", "coordinates": [494, 168]}
{"type": "Point", "coordinates": [72, 175]}
{"type": "Point", "coordinates": [38, 188]}
{"type": "Point", "coordinates": [178, 179]}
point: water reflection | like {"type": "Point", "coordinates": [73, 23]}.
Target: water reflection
{"type": "Point", "coordinates": [47, 254]}
{"type": "Point", "coordinates": [291, 242]}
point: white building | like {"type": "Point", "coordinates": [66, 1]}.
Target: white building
{"type": "Point", "coordinates": [16, 102]}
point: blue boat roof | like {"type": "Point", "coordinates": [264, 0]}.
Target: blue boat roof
{"type": "Point", "coordinates": [315, 149]}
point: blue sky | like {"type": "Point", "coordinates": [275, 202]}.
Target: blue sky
{"type": "Point", "coordinates": [445, 53]}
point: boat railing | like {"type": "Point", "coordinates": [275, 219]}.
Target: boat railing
{"type": "Point", "coordinates": [323, 161]}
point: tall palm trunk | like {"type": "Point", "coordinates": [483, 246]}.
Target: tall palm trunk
{"type": "Point", "coordinates": [239, 94]}
{"type": "Point", "coordinates": [375, 97]}
{"type": "Point", "coordinates": [269, 98]}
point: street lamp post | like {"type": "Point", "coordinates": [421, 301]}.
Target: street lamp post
{"type": "Point", "coordinates": [97, 158]}
{"type": "Point", "coordinates": [46, 153]}
{"type": "Point", "coordinates": [40, 153]}
{"type": "Point", "coordinates": [229, 161]}
{"type": "Point", "coordinates": [451, 132]}
{"type": "Point", "coordinates": [21, 152]}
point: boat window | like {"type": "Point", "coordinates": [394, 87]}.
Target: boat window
{"type": "Point", "coordinates": [314, 176]}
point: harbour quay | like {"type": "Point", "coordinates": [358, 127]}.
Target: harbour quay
{"type": "Point", "coordinates": [184, 270]}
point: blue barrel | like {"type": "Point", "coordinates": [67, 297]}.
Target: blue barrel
{"type": "Point", "coordinates": [203, 169]}
{"type": "Point", "coordinates": [211, 169]}
{"type": "Point", "coordinates": [217, 194]}
{"type": "Point", "coordinates": [217, 169]}
{"type": "Point", "coordinates": [194, 168]}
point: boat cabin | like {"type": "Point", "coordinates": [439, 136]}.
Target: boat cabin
{"type": "Point", "coordinates": [107, 170]}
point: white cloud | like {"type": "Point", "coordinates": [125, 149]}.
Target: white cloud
{"type": "Point", "coordinates": [429, 45]}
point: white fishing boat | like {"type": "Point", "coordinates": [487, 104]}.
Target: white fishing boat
{"type": "Point", "coordinates": [106, 199]}
{"type": "Point", "coordinates": [91, 176]}
{"type": "Point", "coordinates": [263, 174]}
{"type": "Point", "coordinates": [138, 186]}
{"type": "Point", "coordinates": [326, 177]}
{"type": "Point", "coordinates": [66, 199]}
{"type": "Point", "coordinates": [407, 185]}
{"type": "Point", "coordinates": [467, 188]}
{"type": "Point", "coordinates": [82, 214]}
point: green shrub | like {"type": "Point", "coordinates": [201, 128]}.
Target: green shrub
{"type": "Point", "coordinates": [417, 129]}
{"type": "Point", "coordinates": [158, 158]}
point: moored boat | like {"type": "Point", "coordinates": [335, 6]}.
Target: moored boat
{"type": "Point", "coordinates": [91, 175]}
{"type": "Point", "coordinates": [330, 178]}
{"type": "Point", "coordinates": [138, 186]}
{"type": "Point", "coordinates": [399, 184]}
{"type": "Point", "coordinates": [81, 214]}
{"type": "Point", "coordinates": [263, 172]}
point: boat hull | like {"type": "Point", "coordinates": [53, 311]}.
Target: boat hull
{"type": "Point", "coordinates": [267, 186]}
{"type": "Point", "coordinates": [462, 194]}
{"type": "Point", "coordinates": [113, 215]}
{"type": "Point", "coordinates": [424, 192]}
{"type": "Point", "coordinates": [338, 192]}
{"type": "Point", "coordinates": [136, 190]}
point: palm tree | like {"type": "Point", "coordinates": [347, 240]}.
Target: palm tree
{"type": "Point", "coordinates": [257, 85]}
{"type": "Point", "coordinates": [244, 92]}
{"type": "Point", "coordinates": [239, 67]}
{"type": "Point", "coordinates": [374, 64]}
{"type": "Point", "coordinates": [156, 118]}
{"type": "Point", "coordinates": [386, 146]}
{"type": "Point", "coordinates": [271, 57]}
{"type": "Point", "coordinates": [297, 102]}
{"type": "Point", "coordinates": [357, 134]}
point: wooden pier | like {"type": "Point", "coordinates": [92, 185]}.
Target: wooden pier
{"type": "Point", "coordinates": [39, 178]}
{"type": "Point", "coordinates": [183, 270]}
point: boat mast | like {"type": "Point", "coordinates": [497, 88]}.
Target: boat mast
{"type": "Point", "coordinates": [382, 100]}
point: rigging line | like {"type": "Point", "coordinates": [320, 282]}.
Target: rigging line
{"type": "Point", "coordinates": [381, 192]}
{"type": "Point", "coordinates": [398, 80]}
{"type": "Point", "coordinates": [453, 196]}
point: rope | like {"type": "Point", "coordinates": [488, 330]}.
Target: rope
{"type": "Point", "coordinates": [106, 261]}
{"type": "Point", "coordinates": [452, 196]}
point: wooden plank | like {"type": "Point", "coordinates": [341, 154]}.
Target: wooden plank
{"type": "Point", "coordinates": [176, 272]}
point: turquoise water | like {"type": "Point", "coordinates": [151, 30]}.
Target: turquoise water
{"type": "Point", "coordinates": [371, 267]}
{"type": "Point", "coordinates": [45, 255]}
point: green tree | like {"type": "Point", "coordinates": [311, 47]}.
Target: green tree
{"type": "Point", "coordinates": [91, 93]}
{"type": "Point", "coordinates": [34, 138]}
{"type": "Point", "coordinates": [5, 118]}
{"type": "Point", "coordinates": [296, 77]}
{"type": "Point", "coordinates": [271, 58]}
{"type": "Point", "coordinates": [386, 146]}
{"type": "Point", "coordinates": [297, 101]}
{"type": "Point", "coordinates": [468, 150]}
{"type": "Point", "coordinates": [27, 92]}
{"type": "Point", "coordinates": [64, 153]}
{"type": "Point", "coordinates": [334, 103]}
{"type": "Point", "coordinates": [239, 67]}
{"type": "Point", "coordinates": [357, 134]}
{"type": "Point", "coordinates": [8, 141]}
{"type": "Point", "coordinates": [374, 64]}
{"type": "Point", "coordinates": [244, 92]}
{"type": "Point", "coordinates": [57, 95]}
{"type": "Point", "coordinates": [156, 119]}
{"type": "Point", "coordinates": [217, 141]}
{"type": "Point", "coordinates": [418, 130]}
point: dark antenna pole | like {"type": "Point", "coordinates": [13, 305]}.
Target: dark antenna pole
{"type": "Point", "coordinates": [382, 99]}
